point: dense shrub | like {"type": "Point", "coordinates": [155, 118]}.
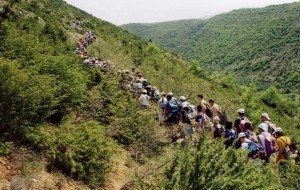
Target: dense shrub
{"type": "Point", "coordinates": [81, 151]}
{"type": "Point", "coordinates": [25, 98]}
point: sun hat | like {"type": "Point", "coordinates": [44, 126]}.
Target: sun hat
{"type": "Point", "coordinates": [277, 129]}
{"type": "Point", "coordinates": [265, 115]}
{"type": "Point", "coordinates": [241, 110]}
{"type": "Point", "coordinates": [263, 126]}
{"type": "Point", "coordinates": [182, 98]}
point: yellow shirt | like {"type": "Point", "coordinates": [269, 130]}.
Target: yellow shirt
{"type": "Point", "coordinates": [281, 143]}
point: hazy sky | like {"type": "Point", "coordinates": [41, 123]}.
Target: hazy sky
{"type": "Point", "coordinates": [136, 11]}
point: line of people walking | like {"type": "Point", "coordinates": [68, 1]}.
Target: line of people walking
{"type": "Point", "coordinates": [93, 62]}
{"type": "Point", "coordinates": [271, 143]}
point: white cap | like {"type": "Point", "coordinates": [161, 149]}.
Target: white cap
{"type": "Point", "coordinates": [278, 129]}
{"type": "Point", "coordinates": [170, 94]}
{"type": "Point", "coordinates": [240, 135]}
{"type": "Point", "coordinates": [241, 110]}
{"type": "Point", "coordinates": [144, 91]}
{"type": "Point", "coordinates": [162, 93]}
{"type": "Point", "coordinates": [266, 116]}
{"type": "Point", "coordinates": [154, 87]}
{"type": "Point", "coordinates": [182, 98]}
{"type": "Point", "coordinates": [263, 126]}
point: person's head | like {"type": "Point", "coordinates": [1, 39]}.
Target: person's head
{"type": "Point", "coordinates": [138, 81]}
{"type": "Point", "coordinates": [228, 125]}
{"type": "Point", "coordinates": [211, 102]}
{"type": "Point", "coordinates": [200, 97]}
{"type": "Point", "coordinates": [293, 147]}
{"type": "Point", "coordinates": [241, 112]}
{"type": "Point", "coordinates": [265, 117]}
{"type": "Point", "coordinates": [169, 97]}
{"type": "Point", "coordinates": [181, 98]}
{"type": "Point", "coordinates": [170, 94]}
{"type": "Point", "coordinates": [248, 126]}
{"type": "Point", "coordinates": [144, 91]}
{"type": "Point", "coordinates": [242, 137]}
{"type": "Point", "coordinates": [199, 108]}
{"type": "Point", "coordinates": [216, 122]}
{"type": "Point", "coordinates": [278, 132]}
{"type": "Point", "coordinates": [162, 94]}
{"type": "Point", "coordinates": [263, 127]}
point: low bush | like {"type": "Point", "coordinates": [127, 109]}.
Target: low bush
{"type": "Point", "coordinates": [81, 151]}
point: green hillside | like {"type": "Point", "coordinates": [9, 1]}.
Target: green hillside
{"type": "Point", "coordinates": [260, 45]}
{"type": "Point", "coordinates": [77, 120]}
{"type": "Point", "coordinates": [170, 35]}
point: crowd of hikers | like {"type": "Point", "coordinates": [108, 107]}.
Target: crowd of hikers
{"type": "Point", "coordinates": [81, 49]}
{"type": "Point", "coordinates": [270, 144]}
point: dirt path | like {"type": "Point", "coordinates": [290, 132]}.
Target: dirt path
{"type": "Point", "coordinates": [122, 171]}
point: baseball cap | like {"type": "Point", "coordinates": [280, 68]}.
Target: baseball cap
{"type": "Point", "coordinates": [240, 135]}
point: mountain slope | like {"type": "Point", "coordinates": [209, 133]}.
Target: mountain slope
{"type": "Point", "coordinates": [167, 34]}
{"type": "Point", "coordinates": [255, 44]}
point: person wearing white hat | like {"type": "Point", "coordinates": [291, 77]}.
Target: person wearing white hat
{"type": "Point", "coordinates": [161, 106]}
{"type": "Point", "coordinates": [187, 111]}
{"type": "Point", "coordinates": [242, 138]}
{"type": "Point", "coordinates": [265, 118]}
{"type": "Point", "coordinates": [144, 100]}
{"type": "Point", "coordinates": [282, 142]}
{"type": "Point", "coordinates": [263, 133]}
{"type": "Point", "coordinates": [240, 121]}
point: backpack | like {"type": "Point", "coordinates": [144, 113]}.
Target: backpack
{"type": "Point", "coordinates": [218, 132]}
{"type": "Point", "coordinates": [248, 134]}
{"type": "Point", "coordinates": [190, 111]}
{"type": "Point", "coordinates": [173, 107]}
{"type": "Point", "coordinates": [208, 112]}
{"type": "Point", "coordinates": [270, 145]}
{"type": "Point", "coordinates": [223, 118]}
{"type": "Point", "coordinates": [145, 83]}
{"type": "Point", "coordinates": [256, 150]}
{"type": "Point", "coordinates": [229, 135]}
{"type": "Point", "coordinates": [270, 127]}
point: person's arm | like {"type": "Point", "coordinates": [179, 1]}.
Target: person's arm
{"type": "Point", "coordinates": [223, 135]}
{"type": "Point", "coordinates": [213, 134]}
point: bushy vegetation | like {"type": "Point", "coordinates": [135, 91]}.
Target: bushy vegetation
{"type": "Point", "coordinates": [254, 44]}
{"type": "Point", "coordinates": [209, 165]}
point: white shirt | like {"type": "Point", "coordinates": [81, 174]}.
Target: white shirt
{"type": "Point", "coordinates": [144, 99]}
{"type": "Point", "coordinates": [162, 101]}
{"type": "Point", "coordinates": [262, 136]}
